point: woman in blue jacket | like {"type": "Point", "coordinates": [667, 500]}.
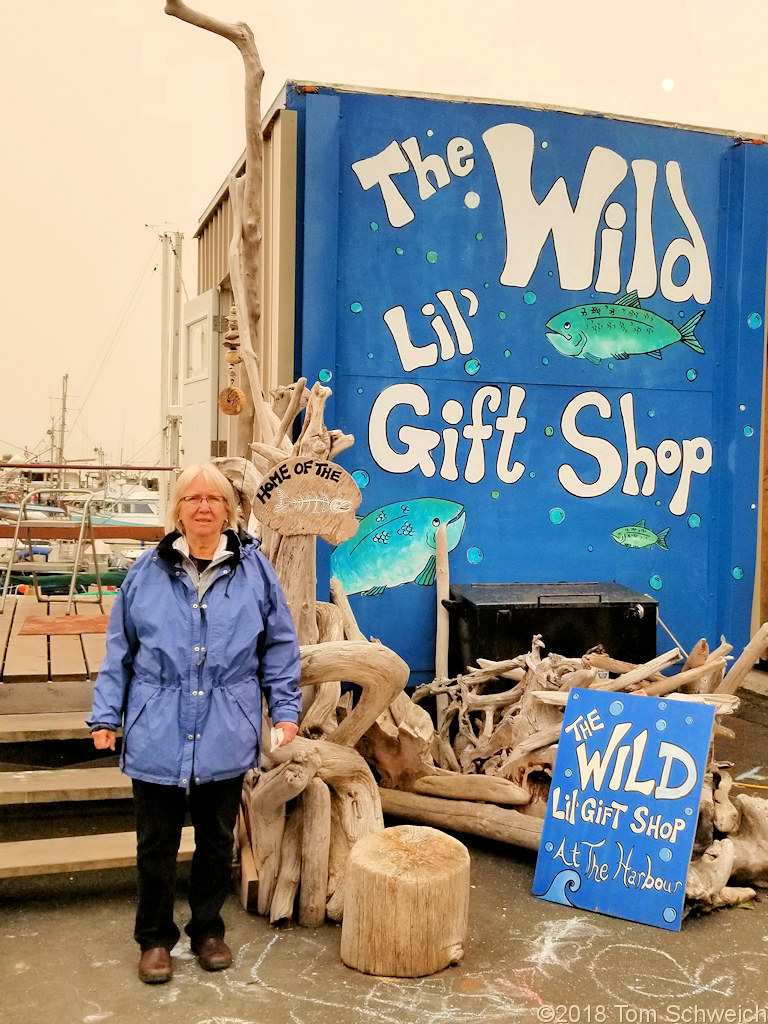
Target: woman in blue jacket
{"type": "Point", "coordinates": [199, 632]}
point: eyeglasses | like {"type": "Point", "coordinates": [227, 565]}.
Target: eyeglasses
{"type": "Point", "coordinates": [214, 500]}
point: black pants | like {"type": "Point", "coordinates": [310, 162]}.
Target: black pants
{"type": "Point", "coordinates": [160, 812]}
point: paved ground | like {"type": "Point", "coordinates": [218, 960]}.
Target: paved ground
{"type": "Point", "coordinates": [68, 957]}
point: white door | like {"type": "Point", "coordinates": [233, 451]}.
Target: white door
{"type": "Point", "coordinates": [200, 380]}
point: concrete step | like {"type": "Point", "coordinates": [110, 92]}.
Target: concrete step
{"type": "Point", "coordinates": [77, 853]}
{"type": "Point", "coordinates": [60, 785]}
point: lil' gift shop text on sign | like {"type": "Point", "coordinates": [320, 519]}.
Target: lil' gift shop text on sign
{"type": "Point", "coordinates": [623, 806]}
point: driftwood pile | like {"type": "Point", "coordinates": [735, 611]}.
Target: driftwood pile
{"type": "Point", "coordinates": [487, 766]}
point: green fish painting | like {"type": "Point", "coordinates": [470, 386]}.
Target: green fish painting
{"type": "Point", "coordinates": [395, 544]}
{"type": "Point", "coordinates": [617, 330]}
{"type": "Point", "coordinates": [639, 536]}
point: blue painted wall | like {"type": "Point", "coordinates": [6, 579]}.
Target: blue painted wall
{"type": "Point", "coordinates": [437, 241]}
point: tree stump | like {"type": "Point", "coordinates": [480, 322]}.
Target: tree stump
{"type": "Point", "coordinates": [406, 902]}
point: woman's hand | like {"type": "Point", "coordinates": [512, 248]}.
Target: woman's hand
{"type": "Point", "coordinates": [289, 731]}
{"type": "Point", "coordinates": [104, 739]}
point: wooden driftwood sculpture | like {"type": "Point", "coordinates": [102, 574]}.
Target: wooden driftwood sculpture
{"type": "Point", "coordinates": [310, 802]}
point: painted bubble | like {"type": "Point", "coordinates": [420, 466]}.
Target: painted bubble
{"type": "Point", "coordinates": [430, 133]}
{"type": "Point", "coordinates": [669, 914]}
{"type": "Point", "coordinates": [694, 520]}
{"type": "Point", "coordinates": [325, 376]}
{"type": "Point", "coordinates": [754, 320]}
{"type": "Point", "coordinates": [471, 200]}
{"type": "Point", "coordinates": [359, 391]}
{"type": "Point", "coordinates": [502, 315]}
{"type": "Point", "coordinates": [737, 572]}
{"type": "Point", "coordinates": [374, 226]}
{"type": "Point", "coordinates": [544, 144]}
{"type": "Point", "coordinates": [549, 431]}
{"type": "Point", "coordinates": [361, 478]}
{"type": "Point", "coordinates": [590, 548]}
{"type": "Point", "coordinates": [431, 256]}
{"type": "Point", "coordinates": [452, 411]}
{"type": "Point", "coordinates": [486, 284]}
{"type": "Point", "coordinates": [615, 708]}
{"type": "Point", "coordinates": [681, 314]}
{"type": "Point", "coordinates": [748, 430]}
{"type": "Point", "coordinates": [689, 811]}
{"type": "Point", "coordinates": [507, 353]}
{"type": "Point", "coordinates": [474, 556]}
{"type": "Point", "coordinates": [665, 853]}
{"type": "Point", "coordinates": [742, 408]}
{"type": "Point", "coordinates": [370, 355]}
{"type": "Point", "coordinates": [662, 705]}
{"type": "Point", "coordinates": [689, 719]}
{"type": "Point", "coordinates": [531, 474]}
{"type": "Point", "coordinates": [399, 250]}
{"type": "Point", "coordinates": [658, 502]}
{"type": "Point", "coordinates": [656, 582]}
{"type": "Point", "coordinates": [574, 696]}
{"type": "Point", "coordinates": [610, 366]}
{"type": "Point", "coordinates": [472, 366]}
{"type": "Point", "coordinates": [692, 374]}
{"type": "Point", "coordinates": [651, 413]}
{"type": "Point", "coordinates": [568, 773]}
{"type": "Point", "coordinates": [545, 361]}
{"type": "Point", "coordinates": [556, 516]}
{"type": "Point", "coordinates": [549, 847]}
{"type": "Point", "coordinates": [529, 298]}
{"type": "Point", "coordinates": [661, 725]}
{"type": "Point", "coordinates": [494, 495]}
{"type": "Point", "coordinates": [356, 307]}
{"type": "Point", "coordinates": [479, 236]}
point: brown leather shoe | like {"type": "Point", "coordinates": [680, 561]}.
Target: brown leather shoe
{"type": "Point", "coordinates": [155, 966]}
{"type": "Point", "coordinates": [213, 954]}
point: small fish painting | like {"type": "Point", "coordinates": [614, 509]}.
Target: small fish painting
{"type": "Point", "coordinates": [617, 330]}
{"type": "Point", "coordinates": [395, 544]}
{"type": "Point", "coordinates": [639, 536]}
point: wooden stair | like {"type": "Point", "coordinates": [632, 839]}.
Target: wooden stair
{"type": "Point", "coordinates": [63, 785]}
{"type": "Point", "coordinates": [33, 857]}
{"type": "Point", "coordinates": [56, 725]}
{"type": "Point", "coordinates": [77, 853]}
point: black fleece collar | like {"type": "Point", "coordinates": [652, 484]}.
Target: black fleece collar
{"type": "Point", "coordinates": [235, 544]}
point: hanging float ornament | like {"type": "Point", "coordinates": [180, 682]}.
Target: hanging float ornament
{"type": "Point", "coordinates": [232, 398]}
{"type": "Point", "coordinates": [232, 401]}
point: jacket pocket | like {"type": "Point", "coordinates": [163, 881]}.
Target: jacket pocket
{"type": "Point", "coordinates": [230, 739]}
{"type": "Point", "coordinates": [151, 734]}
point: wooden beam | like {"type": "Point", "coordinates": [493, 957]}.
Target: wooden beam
{"type": "Point", "coordinates": [61, 531]}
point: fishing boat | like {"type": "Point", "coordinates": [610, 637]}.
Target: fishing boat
{"type": "Point", "coordinates": [132, 506]}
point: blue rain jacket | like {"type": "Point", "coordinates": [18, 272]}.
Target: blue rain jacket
{"type": "Point", "coordinates": [185, 675]}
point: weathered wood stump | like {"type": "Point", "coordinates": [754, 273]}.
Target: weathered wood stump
{"type": "Point", "coordinates": [406, 902]}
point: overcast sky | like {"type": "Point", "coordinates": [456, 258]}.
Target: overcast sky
{"type": "Point", "coordinates": [120, 122]}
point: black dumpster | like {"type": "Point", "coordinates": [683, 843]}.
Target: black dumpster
{"type": "Point", "coordinates": [499, 620]}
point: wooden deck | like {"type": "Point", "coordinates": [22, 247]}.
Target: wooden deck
{"type": "Point", "coordinates": [69, 648]}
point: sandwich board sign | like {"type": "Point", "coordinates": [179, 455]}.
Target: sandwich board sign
{"type": "Point", "coordinates": [623, 805]}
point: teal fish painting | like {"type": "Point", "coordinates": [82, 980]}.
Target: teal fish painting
{"type": "Point", "coordinates": [617, 330]}
{"type": "Point", "coordinates": [395, 544]}
{"type": "Point", "coordinates": [639, 536]}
